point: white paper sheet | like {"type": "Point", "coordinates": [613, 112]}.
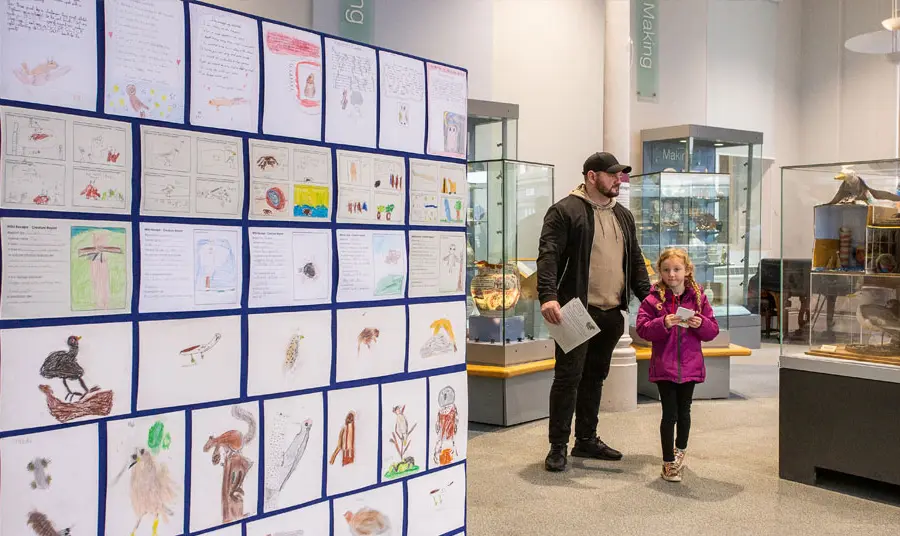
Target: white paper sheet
{"type": "Point", "coordinates": [371, 265]}
{"type": "Point", "coordinates": [233, 530]}
{"type": "Point", "coordinates": [371, 342]}
{"type": "Point", "coordinates": [189, 268]}
{"type": "Point", "coordinates": [351, 93]}
{"type": "Point", "coordinates": [215, 468]}
{"type": "Point", "coordinates": [315, 519]}
{"type": "Point", "coordinates": [371, 188]}
{"type": "Point", "coordinates": [145, 56]}
{"type": "Point", "coordinates": [352, 463]}
{"type": "Point", "coordinates": [437, 263]}
{"type": "Point", "coordinates": [448, 423]}
{"type": "Point", "coordinates": [65, 492]}
{"type": "Point", "coordinates": [447, 111]}
{"type": "Point", "coordinates": [49, 52]}
{"type": "Point", "coordinates": [293, 102]}
{"type": "Point", "coordinates": [64, 162]}
{"type": "Point", "coordinates": [404, 429]}
{"type": "Point", "coordinates": [145, 463]}
{"type": "Point", "coordinates": [294, 448]}
{"type": "Point", "coordinates": [576, 326]}
{"type": "Point", "coordinates": [103, 351]}
{"type": "Point", "coordinates": [179, 357]}
{"type": "Point", "coordinates": [224, 70]}
{"type": "Point", "coordinates": [439, 193]}
{"type": "Point", "coordinates": [185, 173]}
{"type": "Point", "coordinates": [380, 507]}
{"type": "Point", "coordinates": [54, 268]}
{"type": "Point", "coordinates": [288, 351]}
{"type": "Point", "coordinates": [437, 335]}
{"type": "Point", "coordinates": [290, 181]}
{"type": "Point", "coordinates": [289, 266]}
{"type": "Point", "coordinates": [402, 88]}
{"type": "Point", "coordinates": [437, 502]}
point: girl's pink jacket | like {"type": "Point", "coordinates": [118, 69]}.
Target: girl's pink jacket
{"type": "Point", "coordinates": [676, 355]}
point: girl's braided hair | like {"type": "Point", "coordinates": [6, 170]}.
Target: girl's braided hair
{"type": "Point", "coordinates": [681, 255]}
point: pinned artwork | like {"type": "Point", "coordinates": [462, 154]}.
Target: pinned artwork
{"type": "Point", "coordinates": [370, 342]}
{"type": "Point", "coordinates": [448, 421]}
{"type": "Point", "coordinates": [145, 475]}
{"type": "Point", "coordinates": [290, 181]}
{"type": "Point", "coordinates": [379, 511]}
{"type": "Point", "coordinates": [352, 439]}
{"type": "Point", "coordinates": [294, 88]}
{"type": "Point", "coordinates": [224, 465]}
{"type": "Point", "coordinates": [434, 329]}
{"type": "Point", "coordinates": [437, 264]}
{"type": "Point", "coordinates": [58, 374]}
{"type": "Point", "coordinates": [289, 351]}
{"type": "Point", "coordinates": [310, 520]}
{"type": "Point", "coordinates": [437, 502]}
{"type": "Point", "coordinates": [295, 429]}
{"type": "Point", "coordinates": [404, 432]}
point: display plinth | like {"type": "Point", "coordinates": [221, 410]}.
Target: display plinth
{"type": "Point", "coordinates": [718, 372]}
{"type": "Point", "coordinates": [620, 386]}
{"type": "Point", "coordinates": [512, 353]}
{"type": "Point", "coordinates": [496, 329]}
{"type": "Point", "coordinates": [506, 396]}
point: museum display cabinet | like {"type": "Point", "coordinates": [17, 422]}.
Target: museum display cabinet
{"type": "Point", "coordinates": [840, 348]}
{"type": "Point", "coordinates": [700, 149]}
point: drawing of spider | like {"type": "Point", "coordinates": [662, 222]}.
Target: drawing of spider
{"type": "Point", "coordinates": [266, 162]}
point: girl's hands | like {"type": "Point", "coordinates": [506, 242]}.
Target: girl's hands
{"type": "Point", "coordinates": [671, 320]}
{"type": "Point", "coordinates": [695, 321]}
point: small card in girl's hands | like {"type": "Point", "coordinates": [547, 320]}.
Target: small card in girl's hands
{"type": "Point", "coordinates": [684, 315]}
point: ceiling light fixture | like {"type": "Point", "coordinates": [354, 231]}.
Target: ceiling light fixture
{"type": "Point", "coordinates": [884, 42]}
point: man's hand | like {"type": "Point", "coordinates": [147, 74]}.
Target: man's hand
{"type": "Point", "coordinates": [695, 321]}
{"type": "Point", "coordinates": [671, 320]}
{"type": "Point", "coordinates": [550, 311]}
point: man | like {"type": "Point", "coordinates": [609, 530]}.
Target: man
{"type": "Point", "coordinates": [588, 250]}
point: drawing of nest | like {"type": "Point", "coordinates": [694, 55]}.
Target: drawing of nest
{"type": "Point", "coordinates": [436, 345]}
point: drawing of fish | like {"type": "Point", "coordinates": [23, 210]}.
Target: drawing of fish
{"type": "Point", "coordinates": [38, 466]}
{"type": "Point", "coordinates": [222, 101]}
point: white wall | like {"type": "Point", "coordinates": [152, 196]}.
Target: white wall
{"type": "Point", "coordinates": [296, 12]}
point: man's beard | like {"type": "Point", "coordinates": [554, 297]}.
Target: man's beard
{"type": "Point", "coordinates": [608, 193]}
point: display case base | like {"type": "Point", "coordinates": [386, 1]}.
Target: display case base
{"type": "Point", "coordinates": [513, 353]}
{"type": "Point", "coordinates": [832, 420]}
{"type": "Point", "coordinates": [718, 373]}
{"type": "Point", "coordinates": [746, 330]}
{"type": "Point", "coordinates": [506, 396]}
{"type": "Point", "coordinates": [496, 330]}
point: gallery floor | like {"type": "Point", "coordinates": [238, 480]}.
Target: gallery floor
{"type": "Point", "coordinates": [731, 483]}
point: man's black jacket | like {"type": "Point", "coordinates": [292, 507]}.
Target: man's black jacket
{"type": "Point", "coordinates": [564, 254]}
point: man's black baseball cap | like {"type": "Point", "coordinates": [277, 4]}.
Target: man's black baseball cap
{"type": "Point", "coordinates": [604, 162]}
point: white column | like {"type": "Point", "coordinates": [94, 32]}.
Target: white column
{"type": "Point", "coordinates": [620, 387]}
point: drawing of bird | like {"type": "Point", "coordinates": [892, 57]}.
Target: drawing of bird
{"type": "Point", "coordinates": [62, 364]}
{"type": "Point", "coordinates": [367, 522]}
{"type": "Point", "coordinates": [152, 489]}
{"type": "Point", "coordinates": [444, 324]}
{"type": "Point", "coordinates": [854, 190]}
{"type": "Point", "coordinates": [200, 349]}
{"type": "Point", "coordinates": [136, 104]}
{"type": "Point", "coordinates": [883, 318]}
{"type": "Point", "coordinates": [292, 352]}
{"type": "Point", "coordinates": [277, 474]}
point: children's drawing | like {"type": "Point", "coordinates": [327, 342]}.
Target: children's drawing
{"type": "Point", "coordinates": [166, 193]}
{"type": "Point", "coordinates": [442, 340]}
{"type": "Point", "coordinates": [216, 264]}
{"type": "Point", "coordinates": [403, 114]}
{"type": "Point", "coordinates": [38, 467]}
{"type": "Point", "coordinates": [217, 197]}
{"type": "Point", "coordinates": [389, 250]}
{"type": "Point", "coordinates": [34, 136]}
{"type": "Point", "coordinates": [152, 489]}
{"type": "Point", "coordinates": [437, 495]}
{"type": "Point", "coordinates": [96, 144]}
{"type": "Point", "coordinates": [63, 365]}
{"type": "Point", "coordinates": [217, 157]}
{"type": "Point", "coordinates": [452, 265]}
{"type": "Point", "coordinates": [401, 438]}
{"type": "Point", "coordinates": [367, 337]}
{"type": "Point", "coordinates": [200, 350]}
{"type": "Point", "coordinates": [280, 468]}
{"type": "Point", "coordinates": [99, 278]}
{"type": "Point", "coordinates": [424, 208]}
{"type": "Point", "coordinates": [454, 130]}
{"type": "Point", "coordinates": [35, 183]}
{"type": "Point", "coordinates": [99, 188]}
{"type": "Point", "coordinates": [292, 352]}
{"type": "Point", "coordinates": [235, 465]}
{"type": "Point", "coordinates": [136, 99]}
{"type": "Point", "coordinates": [311, 201]}
{"type": "Point", "coordinates": [165, 151]}
{"type": "Point", "coordinates": [437, 502]}
{"type": "Point", "coordinates": [42, 526]}
{"type": "Point", "coordinates": [367, 521]}
{"type": "Point", "coordinates": [445, 426]}
{"type": "Point", "coordinates": [346, 444]}
{"type": "Point", "coordinates": [41, 74]}
{"type": "Point", "coordinates": [267, 161]}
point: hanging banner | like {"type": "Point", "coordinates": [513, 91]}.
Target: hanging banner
{"type": "Point", "coordinates": [645, 36]}
{"type": "Point", "coordinates": [356, 20]}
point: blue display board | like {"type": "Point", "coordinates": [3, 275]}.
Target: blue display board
{"type": "Point", "coordinates": [217, 316]}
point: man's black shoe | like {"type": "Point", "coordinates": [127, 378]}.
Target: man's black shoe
{"type": "Point", "coordinates": [594, 448]}
{"type": "Point", "coordinates": [556, 458]}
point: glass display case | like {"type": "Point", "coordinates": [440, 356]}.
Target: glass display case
{"type": "Point", "coordinates": [737, 153]}
{"type": "Point", "coordinates": [689, 211]}
{"type": "Point", "coordinates": [507, 203]}
{"type": "Point", "coordinates": [844, 219]}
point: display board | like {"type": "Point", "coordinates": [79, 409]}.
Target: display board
{"type": "Point", "coordinates": [233, 258]}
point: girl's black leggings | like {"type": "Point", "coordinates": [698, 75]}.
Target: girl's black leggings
{"type": "Point", "coordinates": [676, 410]}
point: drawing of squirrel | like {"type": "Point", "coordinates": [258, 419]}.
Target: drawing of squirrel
{"type": "Point", "coordinates": [232, 441]}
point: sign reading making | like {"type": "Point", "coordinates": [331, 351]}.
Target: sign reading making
{"type": "Point", "coordinates": [646, 41]}
{"type": "Point", "coordinates": [356, 20]}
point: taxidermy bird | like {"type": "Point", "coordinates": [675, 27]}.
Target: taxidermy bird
{"type": "Point", "coordinates": [63, 364]}
{"type": "Point", "coordinates": [883, 318]}
{"type": "Point", "coordinates": [854, 190]}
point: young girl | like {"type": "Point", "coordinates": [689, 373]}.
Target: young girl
{"type": "Point", "coordinates": [676, 361]}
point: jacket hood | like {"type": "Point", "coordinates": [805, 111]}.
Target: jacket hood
{"type": "Point", "coordinates": [581, 193]}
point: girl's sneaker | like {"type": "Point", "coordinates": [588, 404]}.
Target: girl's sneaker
{"type": "Point", "coordinates": [679, 459]}
{"type": "Point", "coordinates": [670, 472]}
